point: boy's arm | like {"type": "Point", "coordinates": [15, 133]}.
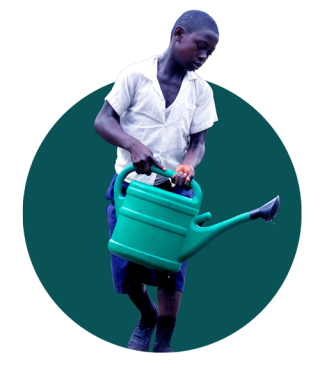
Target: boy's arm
{"type": "Point", "coordinates": [191, 159]}
{"type": "Point", "coordinates": [107, 126]}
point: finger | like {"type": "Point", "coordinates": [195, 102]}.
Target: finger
{"type": "Point", "coordinates": [147, 169]}
{"type": "Point", "coordinates": [140, 169]}
{"type": "Point", "coordinates": [182, 179]}
{"type": "Point", "coordinates": [188, 180]}
{"type": "Point", "coordinates": [189, 183]}
{"type": "Point", "coordinates": [186, 184]}
{"type": "Point", "coordinates": [158, 164]}
{"type": "Point", "coordinates": [177, 178]}
{"type": "Point", "coordinates": [136, 168]}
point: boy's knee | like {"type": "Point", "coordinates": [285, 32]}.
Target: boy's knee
{"type": "Point", "coordinates": [136, 288]}
{"type": "Point", "coordinates": [168, 288]}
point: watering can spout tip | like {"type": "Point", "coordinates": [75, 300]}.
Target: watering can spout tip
{"type": "Point", "coordinates": [267, 211]}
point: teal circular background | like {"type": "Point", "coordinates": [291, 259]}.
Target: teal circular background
{"type": "Point", "coordinates": [228, 283]}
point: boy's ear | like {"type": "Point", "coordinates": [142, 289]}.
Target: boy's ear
{"type": "Point", "coordinates": [178, 33]}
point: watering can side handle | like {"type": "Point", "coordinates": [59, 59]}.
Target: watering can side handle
{"type": "Point", "coordinates": [118, 197]}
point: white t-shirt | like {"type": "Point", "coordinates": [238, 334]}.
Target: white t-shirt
{"type": "Point", "coordinates": [159, 178]}
{"type": "Point", "coordinates": [137, 98]}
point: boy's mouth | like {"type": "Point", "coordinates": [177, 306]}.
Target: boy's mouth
{"type": "Point", "coordinates": [197, 65]}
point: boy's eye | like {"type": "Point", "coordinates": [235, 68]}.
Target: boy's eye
{"type": "Point", "coordinates": [201, 47]}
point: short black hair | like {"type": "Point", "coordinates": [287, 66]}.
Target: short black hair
{"type": "Point", "coordinates": [194, 20]}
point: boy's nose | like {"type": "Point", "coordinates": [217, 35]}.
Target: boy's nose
{"type": "Point", "coordinates": [202, 57]}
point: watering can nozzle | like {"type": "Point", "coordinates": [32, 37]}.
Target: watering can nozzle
{"type": "Point", "coordinates": [267, 211]}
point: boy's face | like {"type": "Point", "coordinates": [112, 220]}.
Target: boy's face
{"type": "Point", "coordinates": [192, 50]}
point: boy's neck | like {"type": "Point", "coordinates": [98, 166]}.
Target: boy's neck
{"type": "Point", "coordinates": [168, 68]}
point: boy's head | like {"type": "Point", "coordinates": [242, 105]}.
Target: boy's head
{"type": "Point", "coordinates": [195, 20]}
{"type": "Point", "coordinates": [193, 39]}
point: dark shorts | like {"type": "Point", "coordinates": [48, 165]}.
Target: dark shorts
{"type": "Point", "coordinates": [125, 274]}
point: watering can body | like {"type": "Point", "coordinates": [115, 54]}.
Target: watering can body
{"type": "Point", "coordinates": [160, 230]}
{"type": "Point", "coordinates": [152, 223]}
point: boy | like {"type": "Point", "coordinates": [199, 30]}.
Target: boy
{"type": "Point", "coordinates": [165, 110]}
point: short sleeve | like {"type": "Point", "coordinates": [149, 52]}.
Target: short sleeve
{"type": "Point", "coordinates": [123, 91]}
{"type": "Point", "coordinates": [205, 113]}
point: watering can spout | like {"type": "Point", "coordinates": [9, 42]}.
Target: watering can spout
{"type": "Point", "coordinates": [198, 236]}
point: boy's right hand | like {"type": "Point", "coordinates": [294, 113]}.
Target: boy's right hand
{"type": "Point", "coordinates": [142, 159]}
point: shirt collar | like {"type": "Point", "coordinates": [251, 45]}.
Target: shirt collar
{"type": "Point", "coordinates": [148, 69]}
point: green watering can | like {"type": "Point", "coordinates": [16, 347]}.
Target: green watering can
{"type": "Point", "coordinates": [160, 229]}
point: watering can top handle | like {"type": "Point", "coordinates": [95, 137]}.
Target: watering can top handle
{"type": "Point", "coordinates": [167, 173]}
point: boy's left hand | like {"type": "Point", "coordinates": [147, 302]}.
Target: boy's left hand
{"type": "Point", "coordinates": [185, 175]}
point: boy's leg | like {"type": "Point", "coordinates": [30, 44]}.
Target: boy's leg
{"type": "Point", "coordinates": [141, 337]}
{"type": "Point", "coordinates": [148, 309]}
{"type": "Point", "coordinates": [169, 302]}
